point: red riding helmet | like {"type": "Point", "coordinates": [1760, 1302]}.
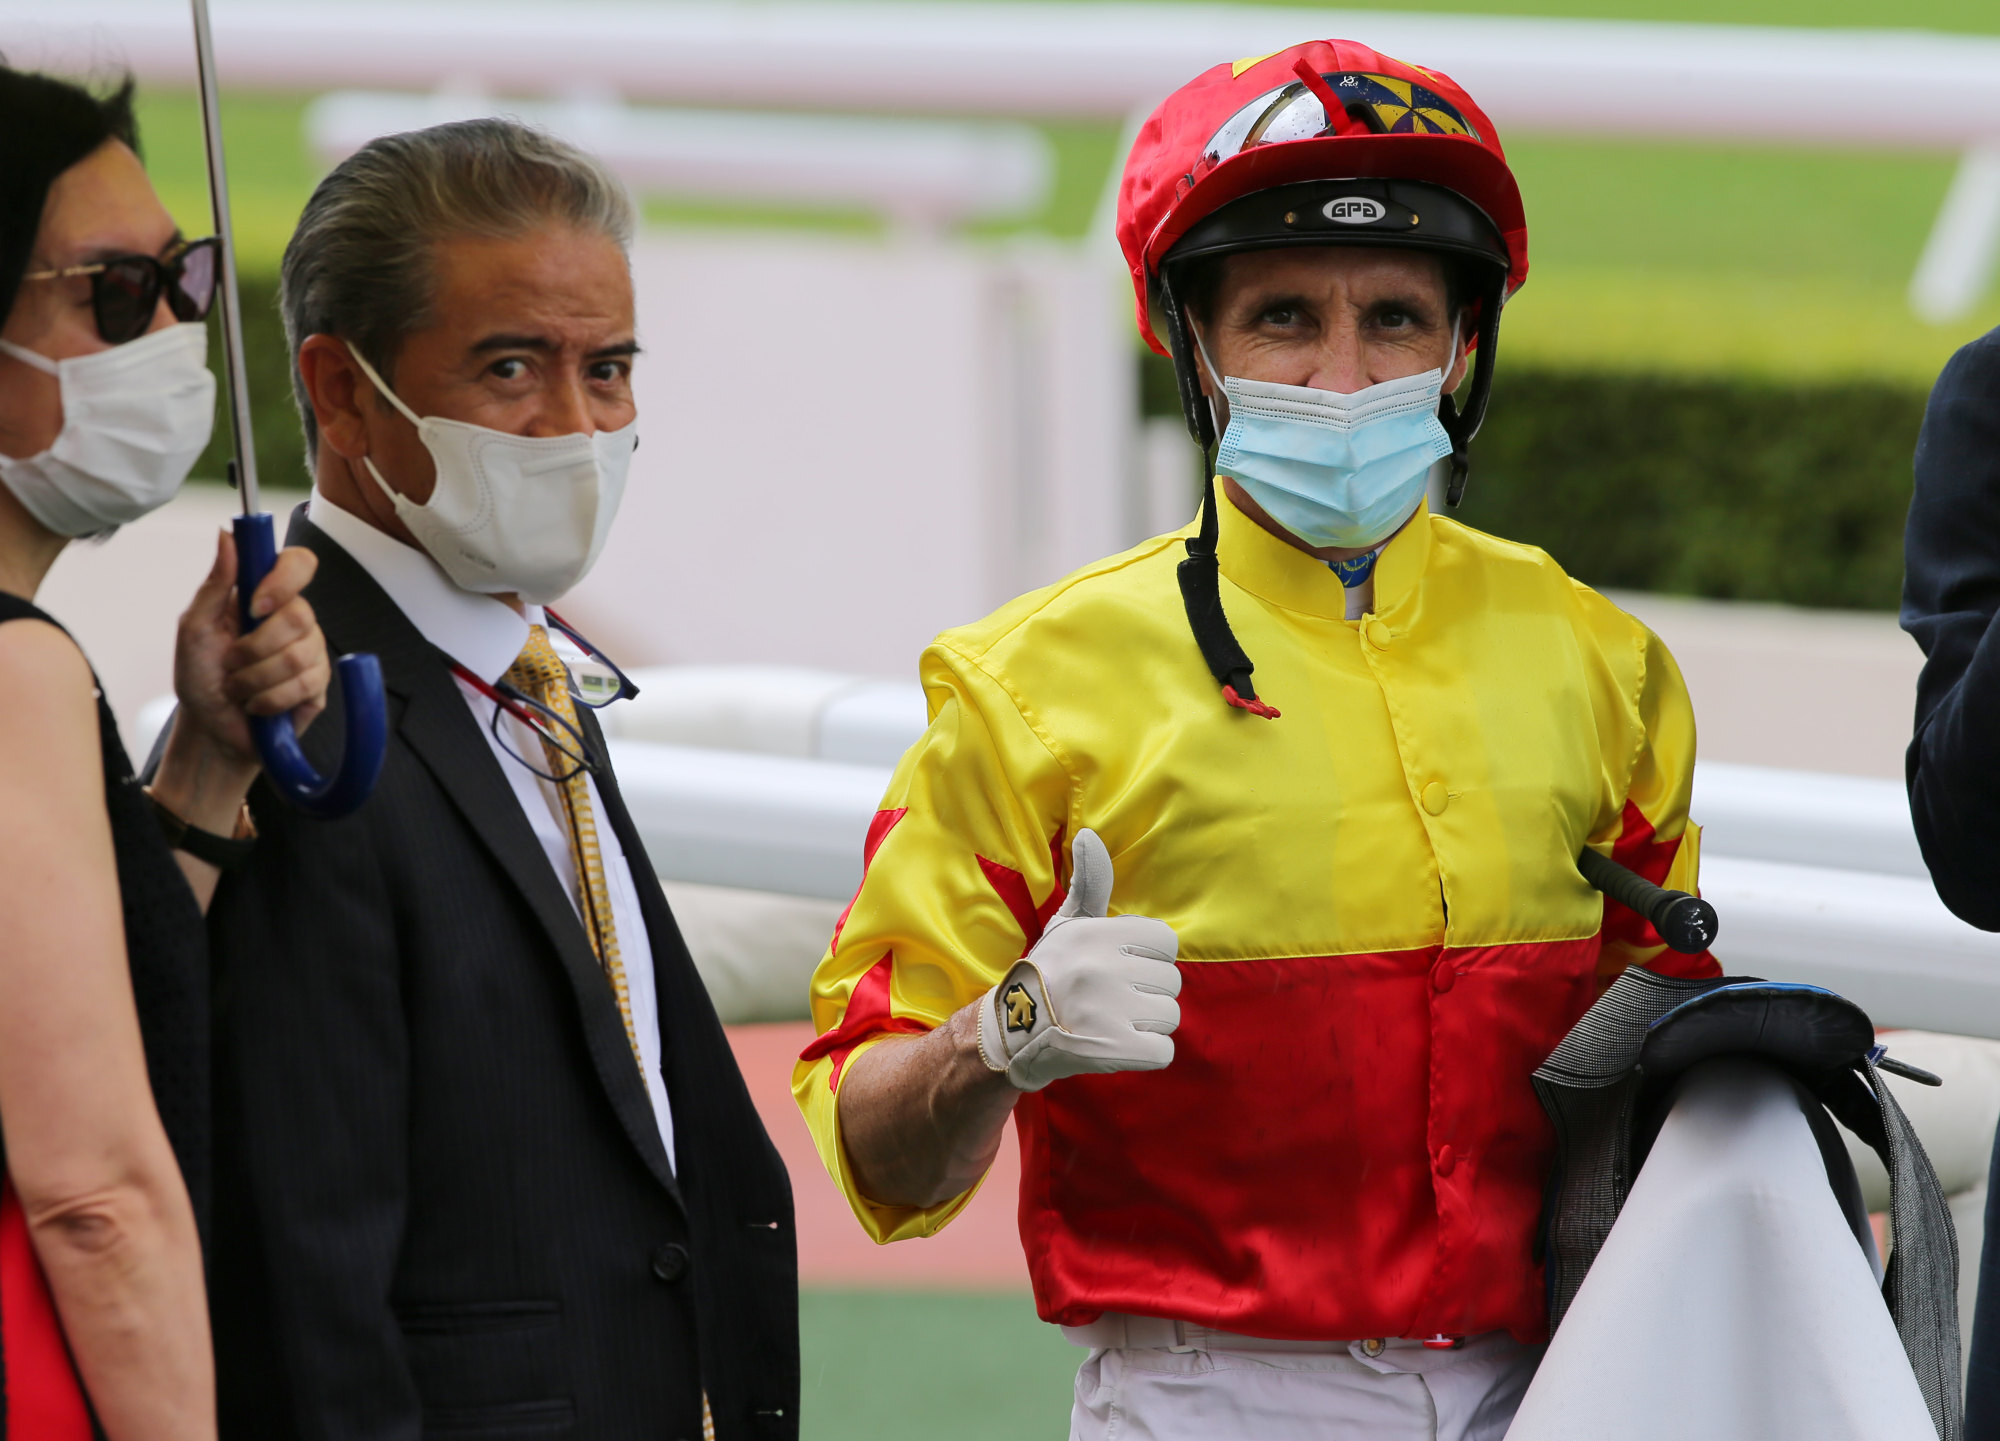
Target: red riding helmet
{"type": "Point", "coordinates": [1262, 123]}
{"type": "Point", "coordinates": [1326, 143]}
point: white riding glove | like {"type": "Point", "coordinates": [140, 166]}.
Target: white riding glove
{"type": "Point", "coordinates": [1095, 994]}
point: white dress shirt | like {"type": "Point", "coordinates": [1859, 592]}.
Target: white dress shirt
{"type": "Point", "coordinates": [486, 636]}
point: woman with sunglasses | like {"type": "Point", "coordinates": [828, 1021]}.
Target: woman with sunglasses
{"type": "Point", "coordinates": [105, 403]}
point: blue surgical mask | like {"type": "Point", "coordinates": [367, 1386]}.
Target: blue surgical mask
{"type": "Point", "coordinates": [1335, 470]}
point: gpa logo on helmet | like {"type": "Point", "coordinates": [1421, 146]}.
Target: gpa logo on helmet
{"type": "Point", "coordinates": [1354, 210]}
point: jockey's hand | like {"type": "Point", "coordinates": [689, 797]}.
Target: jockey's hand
{"type": "Point", "coordinates": [1095, 994]}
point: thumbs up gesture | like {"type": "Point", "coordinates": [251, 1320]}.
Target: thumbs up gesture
{"type": "Point", "coordinates": [1095, 994]}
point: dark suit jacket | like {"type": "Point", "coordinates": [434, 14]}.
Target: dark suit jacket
{"type": "Point", "coordinates": [1951, 593]}
{"type": "Point", "coordinates": [443, 1207]}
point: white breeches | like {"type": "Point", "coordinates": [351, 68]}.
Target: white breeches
{"type": "Point", "coordinates": [1237, 1389]}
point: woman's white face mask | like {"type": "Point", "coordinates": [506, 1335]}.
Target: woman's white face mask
{"type": "Point", "coordinates": [512, 514]}
{"type": "Point", "coordinates": [136, 417]}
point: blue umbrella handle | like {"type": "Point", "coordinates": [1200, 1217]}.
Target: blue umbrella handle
{"type": "Point", "coordinates": [361, 701]}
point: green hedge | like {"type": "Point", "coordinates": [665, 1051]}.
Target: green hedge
{"type": "Point", "coordinates": [281, 446]}
{"type": "Point", "coordinates": [1734, 489]}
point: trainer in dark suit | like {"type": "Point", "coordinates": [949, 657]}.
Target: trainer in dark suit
{"type": "Point", "coordinates": [463, 1189]}
{"type": "Point", "coordinates": [1951, 593]}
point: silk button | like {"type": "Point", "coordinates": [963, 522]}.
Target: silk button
{"type": "Point", "coordinates": [1446, 1161]}
{"type": "Point", "coordinates": [1379, 634]}
{"type": "Point", "coordinates": [1436, 798]}
{"type": "Point", "coordinates": [1443, 977]}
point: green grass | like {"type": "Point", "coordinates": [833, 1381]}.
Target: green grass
{"type": "Point", "coordinates": [270, 171]}
{"type": "Point", "coordinates": [1742, 210]}
{"type": "Point", "coordinates": [1778, 263]}
{"type": "Point", "coordinates": [916, 1366]}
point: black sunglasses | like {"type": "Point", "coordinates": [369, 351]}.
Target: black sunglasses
{"type": "Point", "coordinates": [125, 290]}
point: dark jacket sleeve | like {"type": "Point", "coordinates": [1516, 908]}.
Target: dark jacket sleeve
{"type": "Point", "coordinates": [313, 1079]}
{"type": "Point", "coordinates": [1951, 592]}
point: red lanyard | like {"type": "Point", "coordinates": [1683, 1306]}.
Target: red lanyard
{"type": "Point", "coordinates": [506, 702]}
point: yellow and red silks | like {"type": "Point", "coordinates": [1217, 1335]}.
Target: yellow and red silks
{"type": "Point", "coordinates": [1382, 927]}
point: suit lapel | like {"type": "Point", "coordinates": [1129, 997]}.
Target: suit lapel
{"type": "Point", "coordinates": [439, 728]}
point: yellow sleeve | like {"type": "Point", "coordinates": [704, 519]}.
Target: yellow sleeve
{"type": "Point", "coordinates": [1652, 834]}
{"type": "Point", "coordinates": [963, 867]}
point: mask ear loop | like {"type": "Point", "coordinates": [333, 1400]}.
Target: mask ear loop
{"type": "Point", "coordinates": [30, 358]}
{"type": "Point", "coordinates": [368, 461]}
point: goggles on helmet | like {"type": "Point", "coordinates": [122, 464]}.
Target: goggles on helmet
{"type": "Point", "coordinates": [1370, 104]}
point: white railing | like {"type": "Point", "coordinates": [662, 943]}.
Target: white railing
{"type": "Point", "coordinates": [925, 175]}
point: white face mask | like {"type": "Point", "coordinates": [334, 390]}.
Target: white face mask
{"type": "Point", "coordinates": [136, 417]}
{"type": "Point", "coordinates": [512, 513]}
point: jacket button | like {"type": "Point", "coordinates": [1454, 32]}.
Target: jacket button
{"type": "Point", "coordinates": [670, 1262]}
{"type": "Point", "coordinates": [1446, 1161]}
{"type": "Point", "coordinates": [1436, 798]}
{"type": "Point", "coordinates": [1374, 1345]}
{"type": "Point", "coordinates": [1379, 634]}
{"type": "Point", "coordinates": [1443, 977]}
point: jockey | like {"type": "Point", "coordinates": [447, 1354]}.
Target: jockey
{"type": "Point", "coordinates": [1262, 968]}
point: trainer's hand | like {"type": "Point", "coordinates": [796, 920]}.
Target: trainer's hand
{"type": "Point", "coordinates": [223, 677]}
{"type": "Point", "coordinates": [1095, 994]}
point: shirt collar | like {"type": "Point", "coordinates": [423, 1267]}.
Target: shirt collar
{"type": "Point", "coordinates": [481, 633]}
{"type": "Point", "coordinates": [1274, 571]}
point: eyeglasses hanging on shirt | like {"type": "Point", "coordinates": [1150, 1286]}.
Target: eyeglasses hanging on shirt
{"type": "Point", "coordinates": [594, 683]}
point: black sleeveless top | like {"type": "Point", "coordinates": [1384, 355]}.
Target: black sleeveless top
{"type": "Point", "coordinates": [166, 944]}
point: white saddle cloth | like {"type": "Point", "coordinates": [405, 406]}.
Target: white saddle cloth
{"type": "Point", "coordinates": [1730, 1301]}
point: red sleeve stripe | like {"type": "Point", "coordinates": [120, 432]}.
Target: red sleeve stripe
{"type": "Point", "coordinates": [878, 831]}
{"type": "Point", "coordinates": [1012, 888]}
{"type": "Point", "coordinates": [867, 1013]}
{"type": "Point", "coordinates": [866, 1017]}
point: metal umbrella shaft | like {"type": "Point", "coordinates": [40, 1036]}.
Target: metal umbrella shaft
{"type": "Point", "coordinates": [237, 372]}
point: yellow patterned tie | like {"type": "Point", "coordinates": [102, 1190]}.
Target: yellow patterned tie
{"type": "Point", "coordinates": [539, 672]}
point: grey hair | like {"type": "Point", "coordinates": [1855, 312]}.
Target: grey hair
{"type": "Point", "coordinates": [359, 264]}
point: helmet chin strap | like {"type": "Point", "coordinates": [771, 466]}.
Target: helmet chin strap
{"type": "Point", "coordinates": [1199, 573]}
{"type": "Point", "coordinates": [1461, 422]}
{"type": "Point", "coordinates": [1214, 380]}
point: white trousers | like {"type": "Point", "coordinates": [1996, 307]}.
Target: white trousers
{"type": "Point", "coordinates": [1236, 1389]}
